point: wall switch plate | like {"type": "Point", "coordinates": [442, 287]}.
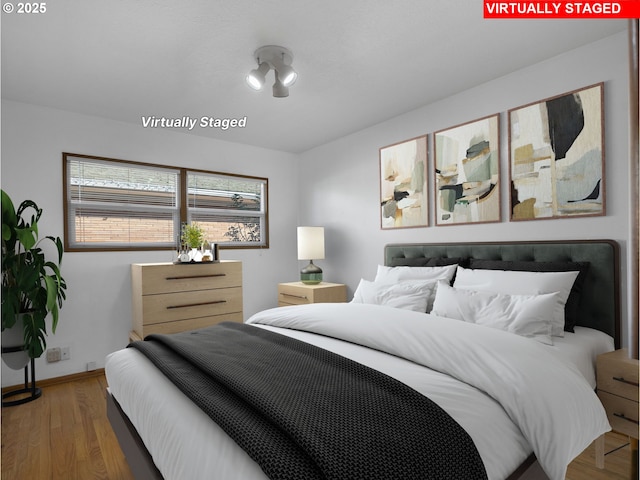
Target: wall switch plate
{"type": "Point", "coordinates": [53, 355]}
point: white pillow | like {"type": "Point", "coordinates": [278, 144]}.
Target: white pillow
{"type": "Point", "coordinates": [525, 315]}
{"type": "Point", "coordinates": [395, 274]}
{"type": "Point", "coordinates": [411, 295]}
{"type": "Point", "coordinates": [522, 283]}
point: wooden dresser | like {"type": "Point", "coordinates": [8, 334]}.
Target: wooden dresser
{"type": "Point", "coordinates": [298, 293]}
{"type": "Point", "coordinates": [617, 383]}
{"type": "Point", "coordinates": [170, 298]}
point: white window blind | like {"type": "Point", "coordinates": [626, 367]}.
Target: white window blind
{"type": "Point", "coordinates": [116, 204]}
{"type": "Point", "coordinates": [231, 209]}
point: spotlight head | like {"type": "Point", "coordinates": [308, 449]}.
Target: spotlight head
{"type": "Point", "coordinates": [256, 78]}
{"type": "Point", "coordinates": [287, 75]}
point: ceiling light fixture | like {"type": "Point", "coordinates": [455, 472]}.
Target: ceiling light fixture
{"type": "Point", "coordinates": [279, 59]}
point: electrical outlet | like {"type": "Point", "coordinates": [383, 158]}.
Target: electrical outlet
{"type": "Point", "coordinates": [91, 366]}
{"type": "Point", "coordinates": [65, 353]}
{"type": "Point", "coordinates": [53, 355]}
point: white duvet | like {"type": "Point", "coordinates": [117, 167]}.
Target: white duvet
{"type": "Point", "coordinates": [549, 400]}
{"type": "Point", "coordinates": [511, 394]}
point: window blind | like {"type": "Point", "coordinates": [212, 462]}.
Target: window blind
{"type": "Point", "coordinates": [120, 204]}
{"type": "Point", "coordinates": [231, 210]}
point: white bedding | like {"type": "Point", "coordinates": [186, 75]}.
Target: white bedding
{"type": "Point", "coordinates": [180, 437]}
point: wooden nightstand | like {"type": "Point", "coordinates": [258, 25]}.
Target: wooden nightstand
{"type": "Point", "coordinates": [617, 384]}
{"type": "Point", "coordinates": [298, 293]}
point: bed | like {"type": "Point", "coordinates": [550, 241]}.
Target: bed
{"type": "Point", "coordinates": [165, 435]}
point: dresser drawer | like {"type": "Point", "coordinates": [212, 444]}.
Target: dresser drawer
{"type": "Point", "coordinates": [191, 324]}
{"type": "Point", "coordinates": [622, 413]}
{"type": "Point", "coordinates": [169, 278]}
{"type": "Point", "coordinates": [618, 374]}
{"type": "Point", "coordinates": [169, 307]}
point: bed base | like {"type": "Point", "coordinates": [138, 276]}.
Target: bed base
{"type": "Point", "coordinates": [137, 455]}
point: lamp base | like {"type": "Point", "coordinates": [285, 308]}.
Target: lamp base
{"type": "Point", "coordinates": [311, 274]}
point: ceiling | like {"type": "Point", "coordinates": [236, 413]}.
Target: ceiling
{"type": "Point", "coordinates": [359, 62]}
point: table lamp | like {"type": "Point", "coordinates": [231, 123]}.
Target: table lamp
{"type": "Point", "coordinates": [310, 247]}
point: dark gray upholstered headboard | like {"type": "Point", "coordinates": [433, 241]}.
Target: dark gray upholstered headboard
{"type": "Point", "coordinates": [600, 299]}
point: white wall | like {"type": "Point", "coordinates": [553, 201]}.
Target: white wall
{"type": "Point", "coordinates": [341, 192]}
{"type": "Point", "coordinates": [96, 318]}
{"type": "Point", "coordinates": [344, 194]}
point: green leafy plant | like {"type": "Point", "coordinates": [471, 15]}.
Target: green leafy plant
{"type": "Point", "coordinates": [31, 284]}
{"type": "Point", "coordinates": [192, 235]}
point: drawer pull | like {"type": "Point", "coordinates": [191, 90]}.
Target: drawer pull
{"type": "Point", "coordinates": [186, 277]}
{"type": "Point", "coordinates": [621, 415]}
{"type": "Point", "coordinates": [621, 379]}
{"type": "Point", "coordinates": [170, 307]}
{"type": "Point", "coordinates": [304, 297]}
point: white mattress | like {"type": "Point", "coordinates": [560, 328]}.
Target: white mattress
{"type": "Point", "coordinates": [185, 443]}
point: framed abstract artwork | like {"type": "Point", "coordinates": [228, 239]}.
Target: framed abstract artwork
{"type": "Point", "coordinates": [467, 172]}
{"type": "Point", "coordinates": [403, 184]}
{"type": "Point", "coordinates": [556, 156]}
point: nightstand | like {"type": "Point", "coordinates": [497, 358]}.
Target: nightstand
{"type": "Point", "coordinates": [298, 293]}
{"type": "Point", "coordinates": [617, 385]}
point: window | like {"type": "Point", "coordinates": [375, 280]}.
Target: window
{"type": "Point", "coordinates": [121, 205]}
{"type": "Point", "coordinates": [230, 209]}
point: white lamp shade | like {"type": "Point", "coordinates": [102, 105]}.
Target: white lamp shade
{"type": "Point", "coordinates": [310, 243]}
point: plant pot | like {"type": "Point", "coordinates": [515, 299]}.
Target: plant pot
{"type": "Point", "coordinates": [12, 338]}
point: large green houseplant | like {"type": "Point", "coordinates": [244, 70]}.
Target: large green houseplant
{"type": "Point", "coordinates": [32, 286]}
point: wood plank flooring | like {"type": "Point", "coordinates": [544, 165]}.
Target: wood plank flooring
{"type": "Point", "coordinates": [617, 461]}
{"type": "Point", "coordinates": [65, 435]}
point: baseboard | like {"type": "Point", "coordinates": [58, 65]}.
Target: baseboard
{"type": "Point", "coordinates": [47, 382]}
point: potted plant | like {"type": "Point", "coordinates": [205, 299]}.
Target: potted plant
{"type": "Point", "coordinates": [193, 237]}
{"type": "Point", "coordinates": [32, 286]}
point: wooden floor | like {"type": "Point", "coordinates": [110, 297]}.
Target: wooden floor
{"type": "Point", "coordinates": [65, 435]}
{"type": "Point", "coordinates": [617, 461]}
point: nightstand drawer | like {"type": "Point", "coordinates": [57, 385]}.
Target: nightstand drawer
{"type": "Point", "coordinates": [622, 413]}
{"type": "Point", "coordinates": [298, 293]}
{"type": "Point", "coordinates": [293, 294]}
{"type": "Point", "coordinates": [618, 374]}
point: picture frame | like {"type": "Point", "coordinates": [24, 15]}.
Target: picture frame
{"type": "Point", "coordinates": [556, 156]}
{"type": "Point", "coordinates": [403, 184]}
{"type": "Point", "coordinates": [467, 172]}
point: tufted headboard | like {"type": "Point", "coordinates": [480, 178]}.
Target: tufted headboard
{"type": "Point", "coordinates": [600, 300]}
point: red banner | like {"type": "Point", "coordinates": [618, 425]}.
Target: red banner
{"type": "Point", "coordinates": [561, 9]}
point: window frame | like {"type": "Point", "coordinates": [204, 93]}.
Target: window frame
{"type": "Point", "coordinates": [183, 208]}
